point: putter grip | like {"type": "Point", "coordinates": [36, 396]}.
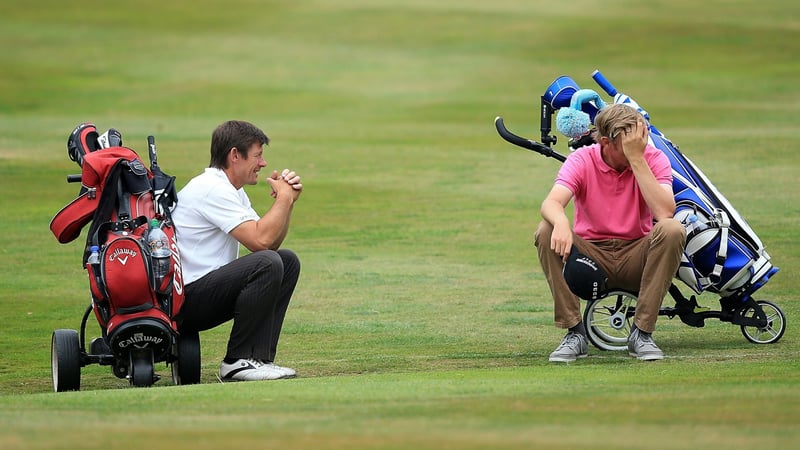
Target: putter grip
{"type": "Point", "coordinates": [151, 148]}
{"type": "Point", "coordinates": [74, 178]}
{"type": "Point", "coordinates": [604, 83]}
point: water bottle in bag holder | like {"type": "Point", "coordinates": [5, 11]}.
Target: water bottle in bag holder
{"type": "Point", "coordinates": [158, 245]}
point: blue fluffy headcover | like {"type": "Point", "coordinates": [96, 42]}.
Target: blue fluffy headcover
{"type": "Point", "coordinates": [572, 121]}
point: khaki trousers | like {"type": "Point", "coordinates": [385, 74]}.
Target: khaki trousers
{"type": "Point", "coordinates": [646, 266]}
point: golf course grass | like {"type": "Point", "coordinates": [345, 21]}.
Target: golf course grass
{"type": "Point", "coordinates": [422, 319]}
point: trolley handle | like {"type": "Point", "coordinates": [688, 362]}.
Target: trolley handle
{"type": "Point", "coordinates": [525, 143]}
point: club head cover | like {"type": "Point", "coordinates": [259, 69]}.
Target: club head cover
{"type": "Point", "coordinates": [573, 122]}
{"type": "Point", "coordinates": [81, 141]}
{"type": "Point", "coordinates": [111, 138]}
{"type": "Point", "coordinates": [584, 276]}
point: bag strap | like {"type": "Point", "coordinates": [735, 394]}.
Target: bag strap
{"type": "Point", "coordinates": [123, 202]}
{"type": "Point", "coordinates": [722, 252]}
{"type": "Point", "coordinates": [110, 199]}
{"type": "Point", "coordinates": [105, 207]}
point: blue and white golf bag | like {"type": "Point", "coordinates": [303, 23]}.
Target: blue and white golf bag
{"type": "Point", "coordinates": [723, 255]}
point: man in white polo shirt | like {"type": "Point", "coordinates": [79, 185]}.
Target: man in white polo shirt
{"type": "Point", "coordinates": [212, 218]}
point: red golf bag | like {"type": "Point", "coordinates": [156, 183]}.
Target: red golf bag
{"type": "Point", "coordinates": [135, 297]}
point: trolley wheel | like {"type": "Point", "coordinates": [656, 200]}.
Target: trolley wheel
{"type": "Point", "coordinates": [772, 331]}
{"type": "Point", "coordinates": [65, 360]}
{"type": "Point", "coordinates": [186, 368]}
{"type": "Point", "coordinates": [609, 320]}
{"type": "Point", "coordinates": [142, 368]}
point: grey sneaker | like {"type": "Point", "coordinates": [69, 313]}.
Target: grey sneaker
{"type": "Point", "coordinates": [641, 346]}
{"type": "Point", "coordinates": [572, 347]}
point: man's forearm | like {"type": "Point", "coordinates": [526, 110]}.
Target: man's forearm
{"type": "Point", "coordinates": [274, 225]}
{"type": "Point", "coordinates": [660, 200]}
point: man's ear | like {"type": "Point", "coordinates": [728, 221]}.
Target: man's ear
{"type": "Point", "coordinates": [233, 154]}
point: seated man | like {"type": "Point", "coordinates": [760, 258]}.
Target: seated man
{"type": "Point", "coordinates": [212, 217]}
{"type": "Point", "coordinates": [621, 185]}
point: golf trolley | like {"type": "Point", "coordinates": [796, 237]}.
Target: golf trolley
{"type": "Point", "coordinates": [722, 255]}
{"type": "Point", "coordinates": [133, 266]}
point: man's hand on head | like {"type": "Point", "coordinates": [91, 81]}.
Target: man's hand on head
{"type": "Point", "coordinates": [634, 140]}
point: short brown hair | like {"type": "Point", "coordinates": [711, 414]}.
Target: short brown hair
{"type": "Point", "coordinates": [230, 134]}
{"type": "Point", "coordinates": [615, 119]}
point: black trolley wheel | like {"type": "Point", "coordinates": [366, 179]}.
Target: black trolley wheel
{"type": "Point", "coordinates": [65, 360]}
{"type": "Point", "coordinates": [142, 368]}
{"type": "Point", "coordinates": [186, 368]}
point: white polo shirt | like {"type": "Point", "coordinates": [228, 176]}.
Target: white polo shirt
{"type": "Point", "coordinates": [209, 207]}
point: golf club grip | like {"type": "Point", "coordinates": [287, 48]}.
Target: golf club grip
{"type": "Point", "coordinates": [525, 143]}
{"type": "Point", "coordinates": [604, 83]}
{"type": "Point", "coordinates": [151, 147]}
{"type": "Point", "coordinates": [75, 178]}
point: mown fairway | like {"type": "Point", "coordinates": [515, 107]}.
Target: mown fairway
{"type": "Point", "coordinates": [422, 319]}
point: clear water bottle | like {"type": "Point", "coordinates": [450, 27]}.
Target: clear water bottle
{"type": "Point", "coordinates": [158, 244]}
{"type": "Point", "coordinates": [94, 255]}
{"type": "Point", "coordinates": [695, 225]}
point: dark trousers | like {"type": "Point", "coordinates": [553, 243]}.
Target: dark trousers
{"type": "Point", "coordinates": [254, 291]}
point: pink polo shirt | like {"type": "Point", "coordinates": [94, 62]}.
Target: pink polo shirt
{"type": "Point", "coordinates": [609, 204]}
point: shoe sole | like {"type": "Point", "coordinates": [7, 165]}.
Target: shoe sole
{"type": "Point", "coordinates": [235, 380]}
{"type": "Point", "coordinates": [567, 360]}
{"type": "Point", "coordinates": [647, 357]}
{"type": "Point", "coordinates": [231, 379]}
